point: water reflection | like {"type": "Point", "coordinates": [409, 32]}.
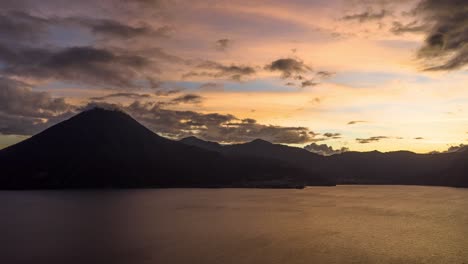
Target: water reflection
{"type": "Point", "coordinates": [346, 224]}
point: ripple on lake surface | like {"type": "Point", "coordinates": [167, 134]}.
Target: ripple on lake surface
{"type": "Point", "coordinates": [346, 224]}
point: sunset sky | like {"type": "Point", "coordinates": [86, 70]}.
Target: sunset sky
{"type": "Point", "coordinates": [355, 75]}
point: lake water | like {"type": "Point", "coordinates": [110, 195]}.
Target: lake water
{"type": "Point", "coordinates": [346, 224]}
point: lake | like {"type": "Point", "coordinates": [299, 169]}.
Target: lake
{"type": "Point", "coordinates": [344, 224]}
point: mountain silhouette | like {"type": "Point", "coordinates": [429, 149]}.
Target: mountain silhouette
{"type": "Point", "coordinates": [374, 167]}
{"type": "Point", "coordinates": [208, 145]}
{"type": "Point", "coordinates": [260, 148]}
{"type": "Point", "coordinates": [399, 167]}
{"type": "Point", "coordinates": [102, 148]}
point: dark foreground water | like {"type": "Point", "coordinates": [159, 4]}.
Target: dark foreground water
{"type": "Point", "coordinates": [346, 224]}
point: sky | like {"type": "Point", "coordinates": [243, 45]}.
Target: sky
{"type": "Point", "coordinates": [327, 75]}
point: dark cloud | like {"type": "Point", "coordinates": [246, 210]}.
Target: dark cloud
{"type": "Point", "coordinates": [288, 67]}
{"type": "Point", "coordinates": [223, 44]}
{"type": "Point", "coordinates": [151, 3]}
{"type": "Point", "coordinates": [418, 138]}
{"type": "Point", "coordinates": [20, 125]}
{"type": "Point", "coordinates": [446, 28]}
{"type": "Point", "coordinates": [325, 74]}
{"type": "Point", "coordinates": [87, 65]}
{"type": "Point", "coordinates": [11, 4]}
{"type": "Point", "coordinates": [188, 99]}
{"type": "Point", "coordinates": [124, 95]}
{"type": "Point", "coordinates": [459, 148]}
{"type": "Point", "coordinates": [353, 122]}
{"type": "Point", "coordinates": [166, 92]}
{"type": "Point", "coordinates": [211, 86]}
{"type": "Point", "coordinates": [297, 70]}
{"type": "Point", "coordinates": [160, 54]}
{"type": "Point", "coordinates": [31, 46]}
{"type": "Point", "coordinates": [308, 83]}
{"type": "Point", "coordinates": [332, 135]}
{"type": "Point", "coordinates": [214, 127]}
{"type": "Point", "coordinates": [23, 26]}
{"type": "Point", "coordinates": [367, 16]}
{"type": "Point", "coordinates": [20, 26]}
{"type": "Point", "coordinates": [323, 149]}
{"type": "Point", "coordinates": [325, 136]}
{"type": "Point", "coordinates": [218, 70]}
{"type": "Point", "coordinates": [116, 29]}
{"type": "Point", "coordinates": [451, 149]}
{"type": "Point", "coordinates": [17, 98]}
{"type": "Point", "coordinates": [29, 125]}
{"type": "Point", "coordinates": [370, 139]}
{"type": "Point", "coordinates": [413, 27]}
{"type": "Point", "coordinates": [25, 112]}
{"type": "Point", "coordinates": [228, 70]}
{"type": "Point", "coordinates": [182, 99]}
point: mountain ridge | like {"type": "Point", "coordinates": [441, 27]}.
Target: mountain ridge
{"type": "Point", "coordinates": [100, 148]}
{"type": "Point", "coordinates": [107, 148]}
{"type": "Point", "coordinates": [372, 167]}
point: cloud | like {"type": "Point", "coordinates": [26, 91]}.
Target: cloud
{"type": "Point", "coordinates": [325, 74]}
{"type": "Point", "coordinates": [446, 23]}
{"type": "Point", "coordinates": [288, 67]}
{"type": "Point", "coordinates": [297, 70]}
{"type": "Point", "coordinates": [24, 111]}
{"type": "Point", "coordinates": [353, 122]}
{"type": "Point", "coordinates": [218, 70]}
{"type": "Point", "coordinates": [18, 99]}
{"type": "Point", "coordinates": [223, 44]}
{"type": "Point", "coordinates": [459, 148]}
{"type": "Point", "coordinates": [370, 139]}
{"type": "Point", "coordinates": [19, 26]}
{"type": "Point", "coordinates": [418, 138]}
{"type": "Point", "coordinates": [115, 29]}
{"type": "Point", "coordinates": [182, 99]}
{"type": "Point", "coordinates": [214, 127]}
{"type": "Point", "coordinates": [452, 149]}
{"type": "Point", "coordinates": [160, 54]}
{"type": "Point", "coordinates": [413, 27]}
{"type": "Point", "coordinates": [325, 136]}
{"type": "Point", "coordinates": [166, 92]}
{"type": "Point", "coordinates": [324, 150]}
{"type": "Point", "coordinates": [41, 45]}
{"type": "Point", "coordinates": [332, 135]}
{"type": "Point", "coordinates": [308, 83]}
{"type": "Point", "coordinates": [188, 99]}
{"type": "Point", "coordinates": [112, 28]}
{"type": "Point", "coordinates": [88, 65]}
{"type": "Point", "coordinates": [23, 26]}
{"type": "Point", "coordinates": [124, 95]}
{"type": "Point", "coordinates": [367, 16]}
{"type": "Point", "coordinates": [211, 86]}
{"type": "Point", "coordinates": [20, 125]}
